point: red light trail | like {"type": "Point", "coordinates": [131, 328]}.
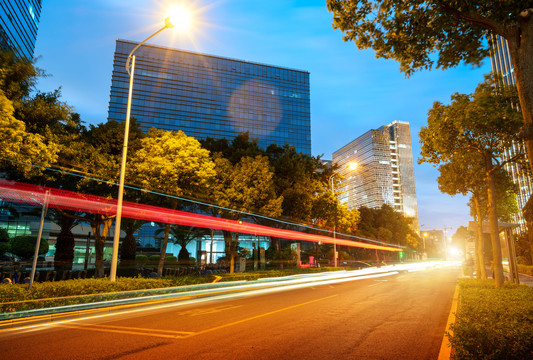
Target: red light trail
{"type": "Point", "coordinates": [16, 192]}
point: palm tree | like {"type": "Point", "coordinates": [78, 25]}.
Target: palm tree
{"type": "Point", "coordinates": [182, 235]}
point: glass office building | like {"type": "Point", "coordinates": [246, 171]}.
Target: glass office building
{"type": "Point", "coordinates": [384, 173]}
{"type": "Point", "coordinates": [19, 21]}
{"type": "Point", "coordinates": [501, 64]}
{"type": "Point", "coordinates": [205, 95]}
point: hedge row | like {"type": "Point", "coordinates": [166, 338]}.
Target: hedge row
{"type": "Point", "coordinates": [79, 291]}
{"type": "Point", "coordinates": [493, 323]}
{"type": "Point", "coordinates": [525, 269]}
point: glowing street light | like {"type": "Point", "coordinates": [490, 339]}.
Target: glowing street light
{"type": "Point", "coordinates": [351, 166]}
{"type": "Point", "coordinates": [179, 14]}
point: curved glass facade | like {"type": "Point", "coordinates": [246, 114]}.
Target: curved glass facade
{"type": "Point", "coordinates": [205, 95]}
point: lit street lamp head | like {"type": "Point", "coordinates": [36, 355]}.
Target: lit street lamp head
{"type": "Point", "coordinates": [180, 17]}
{"type": "Point", "coordinates": [168, 23]}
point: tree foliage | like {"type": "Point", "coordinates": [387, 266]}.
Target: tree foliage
{"type": "Point", "coordinates": [387, 225]}
{"type": "Point", "coordinates": [475, 130]}
{"type": "Point", "coordinates": [246, 187]}
{"type": "Point", "coordinates": [171, 163]}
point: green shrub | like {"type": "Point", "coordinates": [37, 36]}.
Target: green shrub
{"type": "Point", "coordinates": [192, 261]}
{"type": "Point", "coordinates": [171, 260]}
{"type": "Point", "coordinates": [24, 246]}
{"type": "Point", "coordinates": [154, 259]}
{"type": "Point", "coordinates": [4, 248]}
{"type": "Point", "coordinates": [4, 235]}
{"type": "Point", "coordinates": [525, 269]}
{"type": "Point", "coordinates": [493, 323]}
{"type": "Point", "coordinates": [141, 259]}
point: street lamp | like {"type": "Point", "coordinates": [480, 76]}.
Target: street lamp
{"type": "Point", "coordinates": [351, 166]}
{"type": "Point", "coordinates": [130, 68]}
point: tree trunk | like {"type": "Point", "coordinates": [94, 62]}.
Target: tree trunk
{"type": "Point", "coordinates": [276, 242]}
{"type": "Point", "coordinates": [99, 242]}
{"type": "Point", "coordinates": [64, 255]}
{"type": "Point", "coordinates": [164, 244]}
{"type": "Point", "coordinates": [230, 242]}
{"type": "Point", "coordinates": [173, 206]}
{"type": "Point", "coordinates": [493, 223]}
{"type": "Point", "coordinates": [480, 251]}
{"type": "Point", "coordinates": [128, 250]}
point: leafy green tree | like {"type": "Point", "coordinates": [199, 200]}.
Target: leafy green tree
{"type": "Point", "coordinates": [299, 179]}
{"type": "Point", "coordinates": [387, 225]}
{"type": "Point", "coordinates": [484, 124]}
{"type": "Point", "coordinates": [463, 175]}
{"type": "Point", "coordinates": [172, 163]}
{"type": "Point", "coordinates": [20, 146]}
{"type": "Point", "coordinates": [24, 246]}
{"type": "Point", "coordinates": [443, 33]}
{"type": "Point", "coordinates": [241, 146]}
{"type": "Point", "coordinates": [246, 187]}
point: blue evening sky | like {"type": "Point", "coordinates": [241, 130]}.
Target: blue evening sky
{"type": "Point", "coordinates": [351, 90]}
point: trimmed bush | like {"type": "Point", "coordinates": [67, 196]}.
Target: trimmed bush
{"type": "Point", "coordinates": [154, 259]}
{"type": "Point", "coordinates": [171, 260]}
{"type": "Point", "coordinates": [141, 259]}
{"type": "Point", "coordinates": [24, 246]}
{"type": "Point", "coordinates": [493, 323]}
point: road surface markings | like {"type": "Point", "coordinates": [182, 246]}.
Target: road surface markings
{"type": "Point", "coordinates": [174, 334]}
{"type": "Point", "coordinates": [255, 317]}
{"type": "Point", "coordinates": [128, 330]}
{"type": "Point", "coordinates": [206, 311]}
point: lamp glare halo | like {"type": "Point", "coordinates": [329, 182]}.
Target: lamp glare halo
{"type": "Point", "coordinates": [179, 18]}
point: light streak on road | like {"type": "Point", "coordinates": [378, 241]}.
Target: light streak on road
{"type": "Point", "coordinates": [239, 290]}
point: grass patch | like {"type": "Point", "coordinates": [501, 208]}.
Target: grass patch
{"type": "Point", "coordinates": [493, 323]}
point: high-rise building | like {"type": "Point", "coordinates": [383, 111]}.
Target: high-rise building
{"type": "Point", "coordinates": [205, 95]}
{"type": "Point", "coordinates": [501, 64]}
{"type": "Point", "coordinates": [384, 173]}
{"type": "Point", "coordinates": [19, 21]}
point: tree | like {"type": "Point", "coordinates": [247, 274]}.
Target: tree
{"type": "Point", "coordinates": [299, 179]}
{"type": "Point", "coordinates": [419, 33]}
{"type": "Point", "coordinates": [484, 124]}
{"type": "Point", "coordinates": [246, 187]}
{"type": "Point", "coordinates": [387, 225]}
{"type": "Point", "coordinates": [172, 163]}
{"type": "Point", "coordinates": [21, 146]}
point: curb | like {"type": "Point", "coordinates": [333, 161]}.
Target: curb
{"type": "Point", "coordinates": [445, 347]}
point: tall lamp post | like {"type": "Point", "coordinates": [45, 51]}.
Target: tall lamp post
{"type": "Point", "coordinates": [130, 68]}
{"type": "Point", "coordinates": [351, 166]}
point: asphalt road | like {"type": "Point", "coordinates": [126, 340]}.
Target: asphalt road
{"type": "Point", "coordinates": [402, 316]}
